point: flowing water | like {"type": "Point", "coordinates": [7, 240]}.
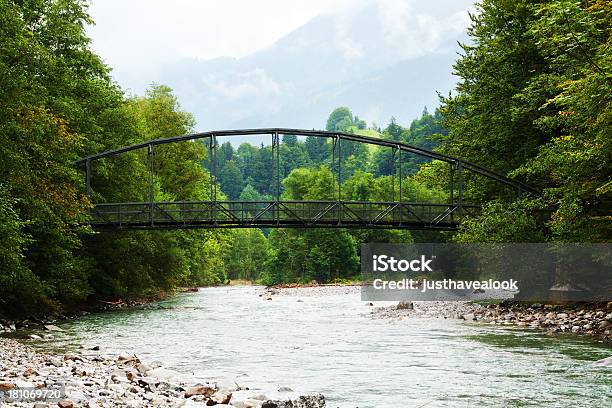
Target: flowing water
{"type": "Point", "coordinates": [330, 344]}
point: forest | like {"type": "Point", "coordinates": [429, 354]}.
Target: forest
{"type": "Point", "coordinates": [533, 101]}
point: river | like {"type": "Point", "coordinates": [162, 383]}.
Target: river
{"type": "Point", "coordinates": [329, 344]}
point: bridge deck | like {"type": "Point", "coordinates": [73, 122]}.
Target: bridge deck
{"type": "Point", "coordinates": [279, 214]}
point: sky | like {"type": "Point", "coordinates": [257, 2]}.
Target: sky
{"type": "Point", "coordinates": [136, 37]}
{"type": "Point", "coordinates": [140, 35]}
{"type": "Point", "coordinates": [348, 57]}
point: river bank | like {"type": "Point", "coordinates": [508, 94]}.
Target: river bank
{"type": "Point", "coordinates": [593, 320]}
{"type": "Point", "coordinates": [587, 320]}
{"type": "Point", "coordinates": [76, 380]}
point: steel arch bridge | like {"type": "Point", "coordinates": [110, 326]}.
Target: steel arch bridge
{"type": "Point", "coordinates": [278, 213]}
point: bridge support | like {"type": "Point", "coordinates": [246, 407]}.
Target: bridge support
{"type": "Point", "coordinates": [88, 179]}
{"type": "Point", "coordinates": [276, 165]}
{"type": "Point", "coordinates": [151, 163]}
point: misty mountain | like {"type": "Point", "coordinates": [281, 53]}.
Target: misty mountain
{"type": "Point", "coordinates": [380, 61]}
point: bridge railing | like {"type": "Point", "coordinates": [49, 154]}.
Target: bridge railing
{"type": "Point", "coordinates": [285, 214]}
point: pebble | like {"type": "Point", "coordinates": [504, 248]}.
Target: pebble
{"type": "Point", "coordinates": [553, 318]}
{"type": "Point", "coordinates": [124, 381]}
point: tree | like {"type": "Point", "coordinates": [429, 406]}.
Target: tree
{"type": "Point", "coordinates": [318, 150]}
{"type": "Point", "coordinates": [534, 102]}
{"type": "Point", "coordinates": [230, 180]}
{"type": "Point", "coordinates": [339, 120]}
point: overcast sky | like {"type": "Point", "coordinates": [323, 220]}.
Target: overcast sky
{"type": "Point", "coordinates": [141, 33]}
{"type": "Point", "coordinates": [136, 36]}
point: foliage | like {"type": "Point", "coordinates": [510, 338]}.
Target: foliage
{"type": "Point", "coordinates": [535, 102]}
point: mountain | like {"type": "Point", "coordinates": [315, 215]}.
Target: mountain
{"type": "Point", "coordinates": [381, 61]}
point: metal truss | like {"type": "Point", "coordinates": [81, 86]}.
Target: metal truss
{"type": "Point", "coordinates": [279, 214]}
{"type": "Point", "coordinates": [336, 213]}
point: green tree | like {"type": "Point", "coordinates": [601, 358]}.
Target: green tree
{"type": "Point", "coordinates": [339, 120]}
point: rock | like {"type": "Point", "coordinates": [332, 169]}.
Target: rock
{"type": "Point", "coordinates": [95, 348]}
{"type": "Point", "coordinates": [562, 315]}
{"type": "Point", "coordinates": [253, 403]}
{"type": "Point", "coordinates": [200, 390]}
{"type": "Point", "coordinates": [604, 325]}
{"type": "Point", "coordinates": [40, 405]}
{"type": "Point", "coordinates": [35, 337]}
{"type": "Point", "coordinates": [313, 401]}
{"type": "Point", "coordinates": [51, 327]}
{"type": "Point", "coordinates": [284, 389]}
{"type": "Point", "coordinates": [469, 317]}
{"type": "Point", "coordinates": [131, 375]}
{"type": "Point", "coordinates": [575, 329]}
{"type": "Point", "coordinates": [65, 404]}
{"type": "Point", "coordinates": [221, 397]}
{"type": "Point", "coordinates": [404, 305]}
{"type": "Point", "coordinates": [24, 384]}
{"type": "Point", "coordinates": [5, 386]}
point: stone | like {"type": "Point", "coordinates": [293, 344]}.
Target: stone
{"type": "Point", "coordinates": [35, 337]}
{"type": "Point", "coordinates": [221, 397]}
{"type": "Point", "coordinates": [469, 317]}
{"type": "Point", "coordinates": [52, 327]}
{"type": "Point", "coordinates": [575, 329]}
{"type": "Point", "coordinates": [562, 315]}
{"type": "Point", "coordinates": [5, 386]}
{"type": "Point", "coordinates": [200, 390]}
{"type": "Point", "coordinates": [24, 384]}
{"type": "Point", "coordinates": [404, 305]}
{"type": "Point", "coordinates": [604, 324]}
{"type": "Point", "coordinates": [124, 357]}
{"type": "Point", "coordinates": [65, 404]}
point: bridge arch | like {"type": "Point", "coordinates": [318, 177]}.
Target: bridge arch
{"type": "Point", "coordinates": [286, 214]}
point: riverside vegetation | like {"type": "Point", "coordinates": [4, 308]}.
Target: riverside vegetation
{"type": "Point", "coordinates": [533, 102]}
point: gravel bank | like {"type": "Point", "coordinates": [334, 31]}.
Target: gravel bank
{"type": "Point", "coordinates": [123, 381]}
{"type": "Point", "coordinates": [581, 319]}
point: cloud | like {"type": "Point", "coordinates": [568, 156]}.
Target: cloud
{"type": "Point", "coordinates": [418, 28]}
{"type": "Point", "coordinates": [350, 48]}
{"type": "Point", "coordinates": [245, 84]}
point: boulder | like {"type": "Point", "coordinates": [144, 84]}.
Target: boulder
{"type": "Point", "coordinates": [200, 390]}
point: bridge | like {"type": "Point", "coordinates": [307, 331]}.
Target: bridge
{"type": "Point", "coordinates": [278, 213]}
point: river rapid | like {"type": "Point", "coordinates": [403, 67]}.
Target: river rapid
{"type": "Point", "coordinates": [327, 342]}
